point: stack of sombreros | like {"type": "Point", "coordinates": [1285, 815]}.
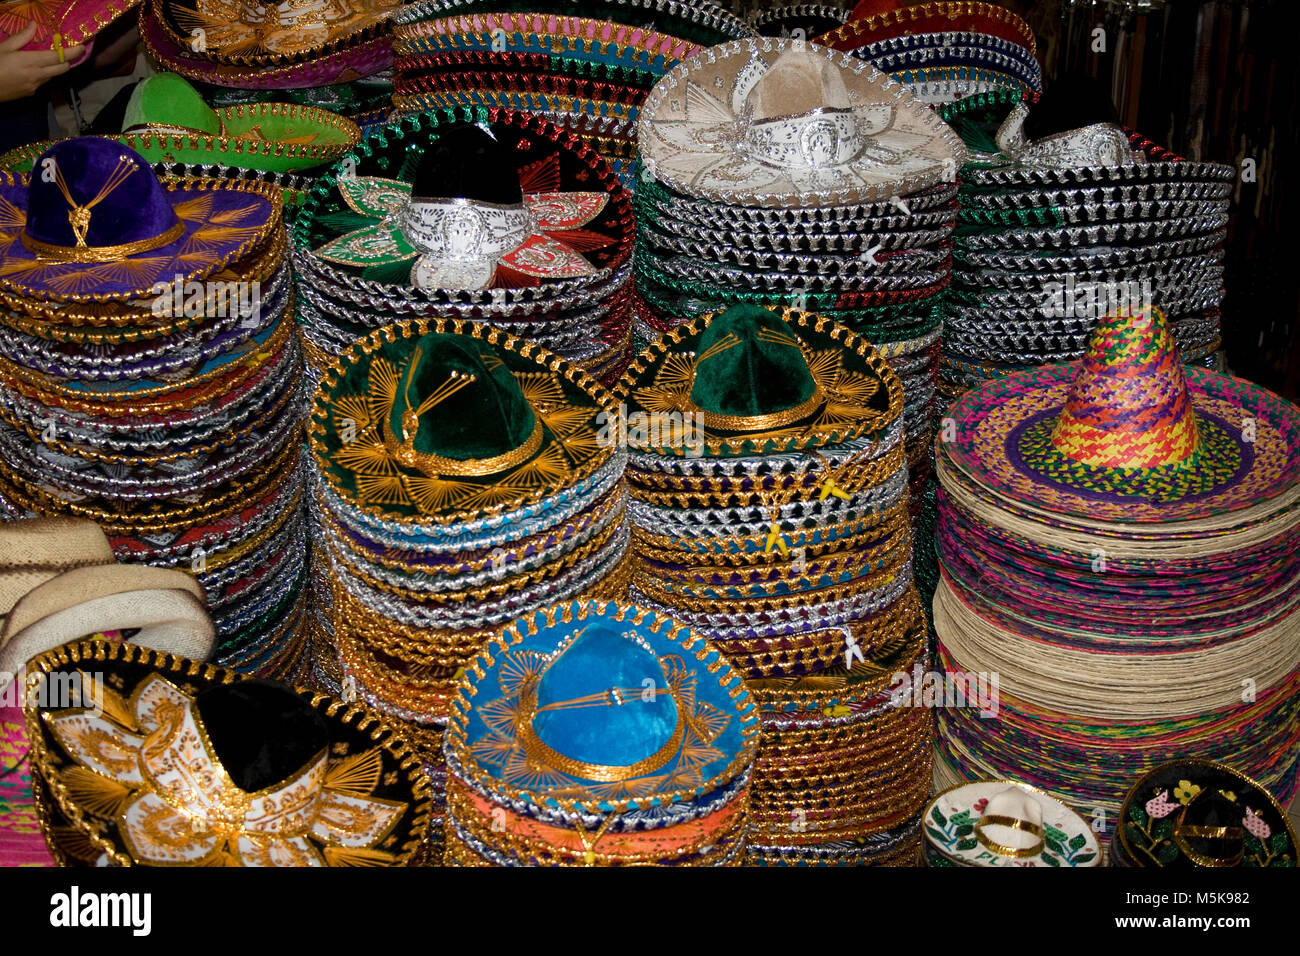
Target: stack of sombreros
{"type": "Point", "coordinates": [1065, 215]}
{"type": "Point", "coordinates": [599, 734]}
{"type": "Point", "coordinates": [146, 758]}
{"type": "Point", "coordinates": [767, 468]}
{"type": "Point", "coordinates": [943, 51]}
{"type": "Point", "coordinates": [333, 55]}
{"type": "Point", "coordinates": [1119, 544]}
{"type": "Point", "coordinates": [463, 477]}
{"type": "Point", "coordinates": [167, 122]}
{"type": "Point", "coordinates": [150, 371]}
{"type": "Point", "coordinates": [480, 214]}
{"type": "Point", "coordinates": [1187, 814]}
{"type": "Point", "coordinates": [799, 20]}
{"type": "Point", "coordinates": [776, 171]}
{"type": "Point", "coordinates": [589, 73]}
{"type": "Point", "coordinates": [1006, 823]}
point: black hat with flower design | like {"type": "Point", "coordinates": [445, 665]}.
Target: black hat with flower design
{"type": "Point", "coordinates": [1196, 813]}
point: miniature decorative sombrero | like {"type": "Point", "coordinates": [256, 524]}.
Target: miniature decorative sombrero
{"type": "Point", "coordinates": [817, 383]}
{"type": "Point", "coordinates": [602, 708]}
{"type": "Point", "coordinates": [62, 23]}
{"type": "Point", "coordinates": [1128, 435]}
{"type": "Point", "coordinates": [781, 123]}
{"type": "Point", "coordinates": [167, 121]}
{"type": "Point", "coordinates": [432, 425]}
{"type": "Point", "coordinates": [93, 223]}
{"type": "Point", "coordinates": [156, 760]}
{"type": "Point", "coordinates": [1006, 823]}
{"type": "Point", "coordinates": [266, 34]}
{"type": "Point", "coordinates": [1195, 813]}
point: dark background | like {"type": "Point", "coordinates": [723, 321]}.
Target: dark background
{"type": "Point", "coordinates": [1211, 80]}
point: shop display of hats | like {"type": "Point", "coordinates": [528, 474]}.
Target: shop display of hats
{"type": "Point", "coordinates": [149, 374]}
{"type": "Point", "coordinates": [1006, 823]}
{"type": "Point", "coordinates": [588, 74]}
{"type": "Point", "coordinates": [1063, 218]}
{"type": "Point", "coordinates": [59, 582]}
{"type": "Point", "coordinates": [1195, 813]}
{"type": "Point", "coordinates": [251, 45]}
{"type": "Point", "coordinates": [781, 172]}
{"type": "Point", "coordinates": [463, 479]}
{"type": "Point", "coordinates": [487, 215]}
{"type": "Point", "coordinates": [798, 20]}
{"type": "Point", "coordinates": [597, 734]}
{"type": "Point", "coordinates": [1119, 542]}
{"type": "Point", "coordinates": [157, 760]}
{"type": "Point", "coordinates": [943, 51]}
{"type": "Point", "coordinates": [770, 503]}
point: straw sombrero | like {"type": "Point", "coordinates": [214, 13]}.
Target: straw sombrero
{"type": "Point", "coordinates": [1128, 435]}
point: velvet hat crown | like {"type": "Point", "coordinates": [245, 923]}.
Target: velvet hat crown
{"type": "Point", "coordinates": [467, 162]}
{"type": "Point", "coordinates": [94, 200]}
{"type": "Point", "coordinates": [750, 368]}
{"type": "Point", "coordinates": [157, 760]}
{"type": "Point", "coordinates": [457, 400]}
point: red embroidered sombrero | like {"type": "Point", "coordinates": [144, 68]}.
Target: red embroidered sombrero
{"type": "Point", "coordinates": [1128, 435]}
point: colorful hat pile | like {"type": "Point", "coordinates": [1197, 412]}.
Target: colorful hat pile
{"type": "Point", "coordinates": [150, 376]}
{"type": "Point", "coordinates": [588, 74]}
{"type": "Point", "coordinates": [1196, 813]}
{"type": "Point", "coordinates": [1119, 544]}
{"type": "Point", "coordinates": [480, 214]}
{"type": "Point", "coordinates": [1006, 823]}
{"type": "Point", "coordinates": [594, 734]}
{"type": "Point", "coordinates": [463, 479]}
{"type": "Point", "coordinates": [943, 51]}
{"type": "Point", "coordinates": [144, 758]}
{"type": "Point", "coordinates": [780, 172]}
{"type": "Point", "coordinates": [769, 485]}
{"type": "Point", "coordinates": [1063, 220]}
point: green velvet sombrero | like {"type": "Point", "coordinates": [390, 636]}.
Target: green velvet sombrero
{"type": "Point", "coordinates": [758, 381]}
{"type": "Point", "coordinates": [168, 121]}
{"type": "Point", "coordinates": [446, 420]}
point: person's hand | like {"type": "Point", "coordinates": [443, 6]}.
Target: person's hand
{"type": "Point", "coordinates": [23, 71]}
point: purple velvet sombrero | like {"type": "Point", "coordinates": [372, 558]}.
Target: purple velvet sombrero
{"type": "Point", "coordinates": [1128, 435]}
{"type": "Point", "coordinates": [93, 223]}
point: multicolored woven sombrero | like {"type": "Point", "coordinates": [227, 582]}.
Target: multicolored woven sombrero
{"type": "Point", "coordinates": [1128, 435]}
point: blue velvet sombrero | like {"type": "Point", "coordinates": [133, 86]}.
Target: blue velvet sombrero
{"type": "Point", "coordinates": [602, 708]}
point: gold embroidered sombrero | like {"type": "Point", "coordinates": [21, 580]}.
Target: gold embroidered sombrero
{"type": "Point", "coordinates": [751, 380]}
{"type": "Point", "coordinates": [148, 759]}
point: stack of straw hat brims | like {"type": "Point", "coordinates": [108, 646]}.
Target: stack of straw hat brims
{"type": "Point", "coordinates": [440, 524]}
{"type": "Point", "coordinates": [593, 734]}
{"type": "Point", "coordinates": [588, 73]}
{"type": "Point", "coordinates": [942, 51]}
{"type": "Point", "coordinates": [780, 172]}
{"type": "Point", "coordinates": [1064, 216]}
{"type": "Point", "coordinates": [770, 502]}
{"type": "Point", "coordinates": [1119, 544]}
{"type": "Point", "coordinates": [150, 371]}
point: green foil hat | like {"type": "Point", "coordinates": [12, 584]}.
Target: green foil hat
{"type": "Point", "coordinates": [168, 121]}
{"type": "Point", "coordinates": [752, 380]}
